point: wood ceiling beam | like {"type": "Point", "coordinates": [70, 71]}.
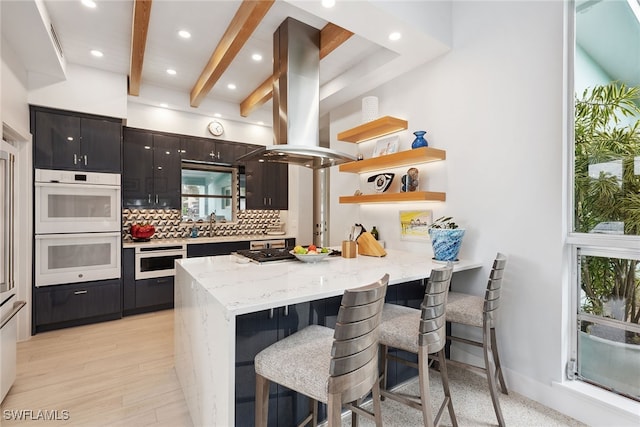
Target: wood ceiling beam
{"type": "Point", "coordinates": [331, 36]}
{"type": "Point", "coordinates": [140, 27]}
{"type": "Point", "coordinates": [245, 21]}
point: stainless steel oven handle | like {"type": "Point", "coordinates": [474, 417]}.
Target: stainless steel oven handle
{"type": "Point", "coordinates": [80, 292]}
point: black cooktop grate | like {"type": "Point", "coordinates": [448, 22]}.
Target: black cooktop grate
{"type": "Point", "coordinates": [266, 255]}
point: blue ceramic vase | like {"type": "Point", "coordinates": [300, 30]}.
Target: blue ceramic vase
{"type": "Point", "coordinates": [446, 243]}
{"type": "Point", "coordinates": [419, 141]}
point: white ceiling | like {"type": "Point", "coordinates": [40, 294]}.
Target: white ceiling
{"type": "Point", "coordinates": [365, 61]}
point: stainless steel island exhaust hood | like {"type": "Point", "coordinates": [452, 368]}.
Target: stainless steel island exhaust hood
{"type": "Point", "coordinates": [296, 101]}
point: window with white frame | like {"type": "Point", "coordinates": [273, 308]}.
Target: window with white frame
{"type": "Point", "coordinates": [210, 190]}
{"type": "Point", "coordinates": [605, 231]}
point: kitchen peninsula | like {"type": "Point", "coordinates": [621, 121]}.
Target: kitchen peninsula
{"type": "Point", "coordinates": [227, 311]}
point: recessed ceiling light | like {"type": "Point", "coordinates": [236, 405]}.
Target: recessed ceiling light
{"type": "Point", "coordinates": [164, 105]}
{"type": "Point", "coordinates": [328, 3]}
{"type": "Point", "coordinates": [395, 36]}
{"type": "Point", "coordinates": [97, 53]}
{"type": "Point", "coordinates": [171, 72]}
{"type": "Point", "coordinates": [256, 57]}
{"type": "Point", "coordinates": [89, 3]}
{"type": "Point", "coordinates": [231, 86]}
{"type": "Point", "coordinates": [217, 115]}
{"type": "Point", "coordinates": [261, 123]}
{"type": "Point", "coordinates": [184, 34]}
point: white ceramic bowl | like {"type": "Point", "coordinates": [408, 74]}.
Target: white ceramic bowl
{"type": "Point", "coordinates": [311, 257]}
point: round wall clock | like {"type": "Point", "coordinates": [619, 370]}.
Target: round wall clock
{"type": "Point", "coordinates": [215, 128]}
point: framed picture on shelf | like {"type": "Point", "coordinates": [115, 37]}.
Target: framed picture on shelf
{"type": "Point", "coordinates": [388, 145]}
{"type": "Point", "coordinates": [414, 225]}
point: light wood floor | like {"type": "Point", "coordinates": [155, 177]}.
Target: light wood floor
{"type": "Point", "coordinates": [118, 373]}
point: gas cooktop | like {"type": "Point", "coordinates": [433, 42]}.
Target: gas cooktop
{"type": "Point", "coordinates": [266, 255]}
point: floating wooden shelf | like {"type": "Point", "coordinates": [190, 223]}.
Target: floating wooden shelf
{"type": "Point", "coordinates": [374, 129]}
{"type": "Point", "coordinates": [403, 158]}
{"type": "Point", "coordinates": [412, 196]}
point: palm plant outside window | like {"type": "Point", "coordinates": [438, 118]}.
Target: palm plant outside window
{"type": "Point", "coordinates": [606, 223]}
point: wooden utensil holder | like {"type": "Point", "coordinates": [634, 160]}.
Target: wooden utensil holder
{"type": "Point", "coordinates": [368, 245]}
{"type": "Point", "coordinates": [349, 249]}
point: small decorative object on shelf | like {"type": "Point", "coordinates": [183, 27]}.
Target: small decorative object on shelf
{"type": "Point", "coordinates": [387, 145]}
{"type": "Point", "coordinates": [374, 233]}
{"type": "Point", "coordinates": [446, 239]}
{"type": "Point", "coordinates": [381, 181]}
{"type": "Point", "coordinates": [410, 180]}
{"type": "Point", "coordinates": [419, 141]}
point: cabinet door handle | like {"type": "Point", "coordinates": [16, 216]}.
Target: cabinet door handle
{"type": "Point", "coordinates": [162, 280]}
{"type": "Point", "coordinates": [269, 201]}
{"type": "Point", "coordinates": [264, 201]}
{"type": "Point", "coordinates": [286, 310]}
{"type": "Point", "coordinates": [80, 292]}
{"type": "Point", "coordinates": [85, 159]}
{"type": "Point", "coordinates": [271, 313]}
{"type": "Point", "coordinates": [156, 199]}
{"type": "Point", "coordinates": [218, 155]}
{"type": "Point", "coordinates": [75, 159]}
{"type": "Point", "coordinates": [149, 197]}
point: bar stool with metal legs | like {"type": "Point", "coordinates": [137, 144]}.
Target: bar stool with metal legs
{"type": "Point", "coordinates": [481, 312]}
{"type": "Point", "coordinates": [337, 367]}
{"type": "Point", "coordinates": [421, 332]}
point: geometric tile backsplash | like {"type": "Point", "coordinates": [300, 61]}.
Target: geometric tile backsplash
{"type": "Point", "coordinates": [169, 225]}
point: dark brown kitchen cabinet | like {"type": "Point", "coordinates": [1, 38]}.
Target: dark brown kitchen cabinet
{"type": "Point", "coordinates": [207, 150]}
{"type": "Point", "coordinates": [75, 304]}
{"type": "Point", "coordinates": [143, 295]}
{"type": "Point", "coordinates": [197, 149]}
{"type": "Point", "coordinates": [254, 332]}
{"type": "Point", "coordinates": [151, 172]}
{"type": "Point", "coordinates": [212, 249]}
{"type": "Point", "coordinates": [75, 141]}
{"type": "Point", "coordinates": [267, 185]}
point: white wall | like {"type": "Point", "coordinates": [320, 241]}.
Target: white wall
{"type": "Point", "coordinates": [175, 121]}
{"type": "Point", "coordinates": [495, 104]}
{"type": "Point", "coordinates": [86, 90]}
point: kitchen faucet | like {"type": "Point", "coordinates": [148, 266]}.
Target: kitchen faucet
{"type": "Point", "coordinates": [212, 221]}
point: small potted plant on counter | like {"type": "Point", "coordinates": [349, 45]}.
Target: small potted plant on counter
{"type": "Point", "coordinates": [446, 239]}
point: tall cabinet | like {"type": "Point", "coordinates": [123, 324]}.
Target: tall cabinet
{"type": "Point", "coordinates": [79, 142]}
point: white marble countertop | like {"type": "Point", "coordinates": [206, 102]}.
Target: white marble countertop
{"type": "Point", "coordinates": [242, 288]}
{"type": "Point", "coordinates": [200, 240]}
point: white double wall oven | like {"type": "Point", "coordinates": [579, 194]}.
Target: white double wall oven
{"type": "Point", "coordinates": [77, 227]}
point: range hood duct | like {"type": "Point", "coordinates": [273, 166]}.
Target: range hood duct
{"type": "Point", "coordinates": [296, 101]}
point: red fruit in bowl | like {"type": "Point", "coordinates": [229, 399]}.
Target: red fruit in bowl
{"type": "Point", "coordinates": [142, 231]}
